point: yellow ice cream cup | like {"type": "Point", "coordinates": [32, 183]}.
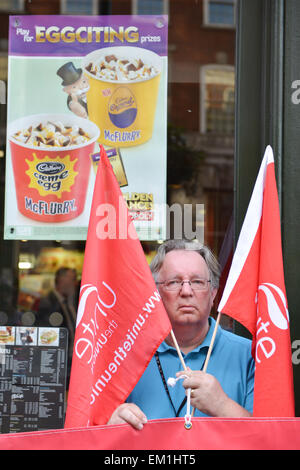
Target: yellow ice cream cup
{"type": "Point", "coordinates": [122, 96]}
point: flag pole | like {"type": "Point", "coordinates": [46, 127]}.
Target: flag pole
{"type": "Point", "coordinates": [188, 416]}
{"type": "Point", "coordinates": [212, 341]}
{"type": "Point", "coordinates": [178, 350]}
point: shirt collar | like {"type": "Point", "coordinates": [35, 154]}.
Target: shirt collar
{"type": "Point", "coordinates": [164, 347]}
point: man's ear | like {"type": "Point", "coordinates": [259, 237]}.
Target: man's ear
{"type": "Point", "coordinates": [213, 294]}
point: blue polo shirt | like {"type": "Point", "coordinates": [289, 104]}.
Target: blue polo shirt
{"type": "Point", "coordinates": [230, 362]}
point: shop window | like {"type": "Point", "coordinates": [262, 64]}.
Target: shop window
{"type": "Point", "coordinates": [150, 7]}
{"type": "Point", "coordinates": [199, 163]}
{"type": "Point", "coordinates": [219, 12]}
{"type": "Point", "coordinates": [217, 99]}
{"type": "Point", "coordinates": [79, 7]}
{"type": "Point", "coordinates": [38, 262]}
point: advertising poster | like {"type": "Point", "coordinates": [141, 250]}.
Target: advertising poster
{"type": "Point", "coordinates": [75, 82]}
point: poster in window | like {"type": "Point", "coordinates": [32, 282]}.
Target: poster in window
{"type": "Point", "coordinates": [74, 83]}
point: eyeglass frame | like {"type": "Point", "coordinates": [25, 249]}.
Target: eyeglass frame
{"type": "Point", "coordinates": [180, 284]}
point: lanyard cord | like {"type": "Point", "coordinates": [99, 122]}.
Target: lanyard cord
{"type": "Point", "coordinates": [166, 386]}
{"type": "Point", "coordinates": [167, 389]}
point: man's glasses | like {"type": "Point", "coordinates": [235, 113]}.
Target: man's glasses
{"type": "Point", "coordinates": [176, 284]}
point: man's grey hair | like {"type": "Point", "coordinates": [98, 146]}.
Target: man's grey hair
{"type": "Point", "coordinates": [204, 251]}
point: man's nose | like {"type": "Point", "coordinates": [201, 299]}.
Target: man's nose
{"type": "Point", "coordinates": [186, 288]}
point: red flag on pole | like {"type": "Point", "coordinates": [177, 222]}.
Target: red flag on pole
{"type": "Point", "coordinates": [255, 296]}
{"type": "Point", "coordinates": [121, 319]}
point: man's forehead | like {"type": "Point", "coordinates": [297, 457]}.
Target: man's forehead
{"type": "Point", "coordinates": [183, 258]}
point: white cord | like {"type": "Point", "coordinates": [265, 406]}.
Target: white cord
{"type": "Point", "coordinates": [188, 417]}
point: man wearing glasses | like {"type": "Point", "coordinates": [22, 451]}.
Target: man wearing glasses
{"type": "Point", "coordinates": [187, 276]}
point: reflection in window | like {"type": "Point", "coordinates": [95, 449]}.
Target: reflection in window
{"type": "Point", "coordinates": [217, 100]}
{"type": "Point", "coordinates": [2, 92]}
{"type": "Point", "coordinates": [79, 7]}
{"type": "Point", "coordinates": [149, 7]}
{"type": "Point", "coordinates": [219, 12]}
{"type": "Point", "coordinates": [12, 5]}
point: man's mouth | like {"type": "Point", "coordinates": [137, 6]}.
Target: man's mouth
{"type": "Point", "coordinates": [186, 308]}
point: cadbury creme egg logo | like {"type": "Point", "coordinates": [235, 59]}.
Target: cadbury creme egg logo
{"type": "Point", "coordinates": [50, 168]}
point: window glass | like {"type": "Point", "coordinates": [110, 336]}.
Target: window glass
{"type": "Point", "coordinates": [218, 100]}
{"type": "Point", "coordinates": [78, 7]}
{"type": "Point", "coordinates": [148, 7]}
{"type": "Point", "coordinates": [201, 90]}
{"type": "Point", "coordinates": [12, 5]}
{"type": "Point", "coordinates": [220, 12]}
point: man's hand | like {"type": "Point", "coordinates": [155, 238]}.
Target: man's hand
{"type": "Point", "coordinates": [128, 413]}
{"type": "Point", "coordinates": [208, 396]}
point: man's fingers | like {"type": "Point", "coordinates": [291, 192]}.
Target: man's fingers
{"type": "Point", "coordinates": [128, 413]}
{"type": "Point", "coordinates": [134, 416]}
{"type": "Point", "coordinates": [192, 379]}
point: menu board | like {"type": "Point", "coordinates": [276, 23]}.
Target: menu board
{"type": "Point", "coordinates": [33, 369]}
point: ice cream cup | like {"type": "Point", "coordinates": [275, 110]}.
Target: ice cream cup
{"type": "Point", "coordinates": [51, 182]}
{"type": "Point", "coordinates": [123, 108]}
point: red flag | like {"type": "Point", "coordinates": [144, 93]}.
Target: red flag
{"type": "Point", "coordinates": [164, 434]}
{"type": "Point", "coordinates": [255, 296]}
{"type": "Point", "coordinates": [121, 319]}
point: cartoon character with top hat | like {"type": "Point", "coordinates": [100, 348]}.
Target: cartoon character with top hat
{"type": "Point", "coordinates": [75, 84]}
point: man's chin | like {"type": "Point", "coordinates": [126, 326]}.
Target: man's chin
{"type": "Point", "coordinates": [187, 319]}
